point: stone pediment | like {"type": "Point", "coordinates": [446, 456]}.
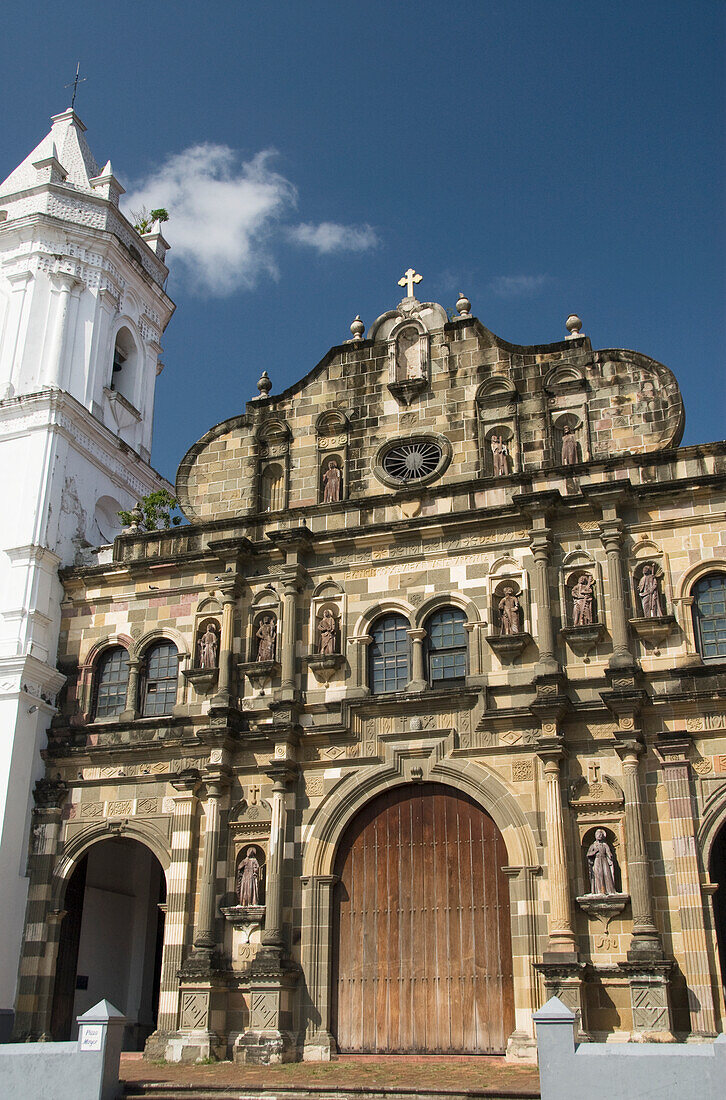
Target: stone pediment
{"type": "Point", "coordinates": [251, 818]}
{"type": "Point", "coordinates": [596, 795]}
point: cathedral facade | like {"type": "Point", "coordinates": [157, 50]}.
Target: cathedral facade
{"type": "Point", "coordinates": [420, 720]}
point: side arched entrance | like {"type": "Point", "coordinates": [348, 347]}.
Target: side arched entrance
{"type": "Point", "coordinates": [422, 955]}
{"type": "Point", "coordinates": [111, 939]}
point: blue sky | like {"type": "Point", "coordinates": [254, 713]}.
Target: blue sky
{"type": "Point", "coordinates": [543, 157]}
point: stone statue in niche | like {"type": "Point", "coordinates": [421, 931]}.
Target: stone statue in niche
{"type": "Point", "coordinates": [500, 455]}
{"type": "Point", "coordinates": [332, 481]}
{"type": "Point", "coordinates": [208, 647]}
{"type": "Point", "coordinates": [583, 598]}
{"type": "Point", "coordinates": [408, 355]}
{"type": "Point", "coordinates": [569, 447]}
{"type": "Point", "coordinates": [649, 593]}
{"type": "Point", "coordinates": [327, 631]}
{"type": "Point", "coordinates": [601, 865]}
{"type": "Point", "coordinates": [248, 879]}
{"type": "Point", "coordinates": [266, 638]}
{"type": "Point", "coordinates": [510, 613]}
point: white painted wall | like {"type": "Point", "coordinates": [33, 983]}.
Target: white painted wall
{"type": "Point", "coordinates": [73, 450]}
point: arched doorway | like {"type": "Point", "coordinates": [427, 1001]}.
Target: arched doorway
{"type": "Point", "coordinates": [421, 927]}
{"type": "Point", "coordinates": [717, 873]}
{"type": "Point", "coordinates": [111, 939]}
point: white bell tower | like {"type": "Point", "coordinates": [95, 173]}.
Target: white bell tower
{"type": "Point", "coordinates": [82, 312]}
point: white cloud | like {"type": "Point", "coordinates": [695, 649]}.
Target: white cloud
{"type": "Point", "coordinates": [331, 237]}
{"type": "Point", "coordinates": [227, 216]}
{"type": "Point", "coordinates": [518, 286]}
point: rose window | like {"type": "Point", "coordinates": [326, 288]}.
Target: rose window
{"type": "Point", "coordinates": [412, 461]}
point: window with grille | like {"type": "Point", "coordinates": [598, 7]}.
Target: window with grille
{"type": "Point", "coordinates": [446, 644]}
{"type": "Point", "coordinates": [160, 677]}
{"type": "Point", "coordinates": [388, 655]}
{"type": "Point", "coordinates": [112, 679]}
{"type": "Point", "coordinates": [709, 616]}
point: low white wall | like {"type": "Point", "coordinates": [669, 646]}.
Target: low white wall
{"type": "Point", "coordinates": [638, 1071]}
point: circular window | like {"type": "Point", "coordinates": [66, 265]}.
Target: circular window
{"type": "Point", "coordinates": [413, 461]}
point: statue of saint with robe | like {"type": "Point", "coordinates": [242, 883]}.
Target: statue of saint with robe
{"type": "Point", "coordinates": [248, 879]}
{"type": "Point", "coordinates": [601, 865]}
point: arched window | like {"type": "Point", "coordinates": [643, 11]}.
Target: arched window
{"type": "Point", "coordinates": [161, 669]}
{"type": "Point", "coordinates": [446, 646]}
{"type": "Point", "coordinates": [709, 616]}
{"type": "Point", "coordinates": [388, 655]}
{"type": "Point", "coordinates": [112, 680]}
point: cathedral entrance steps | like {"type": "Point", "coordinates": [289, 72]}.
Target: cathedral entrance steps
{"type": "Point", "coordinates": [365, 1077]}
{"type": "Point", "coordinates": [250, 1092]}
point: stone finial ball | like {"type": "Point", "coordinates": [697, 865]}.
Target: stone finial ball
{"type": "Point", "coordinates": [573, 324]}
{"type": "Point", "coordinates": [357, 328]}
{"type": "Point", "coordinates": [463, 305]}
{"type": "Point", "coordinates": [264, 385]}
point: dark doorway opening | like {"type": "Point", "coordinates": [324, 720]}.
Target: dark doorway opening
{"type": "Point", "coordinates": [111, 939]}
{"type": "Point", "coordinates": [717, 872]}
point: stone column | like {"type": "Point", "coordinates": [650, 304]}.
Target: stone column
{"type": "Point", "coordinates": [202, 988]}
{"type": "Point", "coordinates": [612, 539]}
{"type": "Point", "coordinates": [223, 697]}
{"type": "Point", "coordinates": [36, 980]}
{"type": "Point", "coordinates": [177, 932]}
{"type": "Point", "coordinates": [290, 592]}
{"type": "Point", "coordinates": [317, 952]}
{"type": "Point", "coordinates": [205, 939]}
{"type": "Point", "coordinates": [673, 750]}
{"type": "Point", "coordinates": [272, 936]}
{"type": "Point", "coordinates": [132, 691]}
{"type": "Point", "coordinates": [645, 940]}
{"type": "Point", "coordinates": [418, 678]}
{"type": "Point", "coordinates": [541, 543]}
{"type": "Point", "coordinates": [561, 935]}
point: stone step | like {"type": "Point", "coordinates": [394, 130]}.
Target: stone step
{"type": "Point", "coordinates": [166, 1091]}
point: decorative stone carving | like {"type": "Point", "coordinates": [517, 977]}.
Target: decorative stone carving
{"type": "Point", "coordinates": [327, 633]}
{"type": "Point", "coordinates": [568, 453]}
{"type": "Point", "coordinates": [510, 613]}
{"type": "Point", "coordinates": [649, 593]}
{"type": "Point", "coordinates": [601, 865]}
{"type": "Point", "coordinates": [208, 646]}
{"type": "Point", "coordinates": [583, 601]}
{"type": "Point", "coordinates": [500, 455]}
{"type": "Point", "coordinates": [266, 636]}
{"type": "Point", "coordinates": [248, 879]}
{"type": "Point", "coordinates": [332, 482]}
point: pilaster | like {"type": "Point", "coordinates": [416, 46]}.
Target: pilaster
{"type": "Point", "coordinates": [673, 752]}
{"type": "Point", "coordinates": [36, 978]}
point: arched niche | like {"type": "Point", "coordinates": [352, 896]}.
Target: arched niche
{"type": "Point", "coordinates": [569, 432]}
{"type": "Point", "coordinates": [497, 414]}
{"type": "Point", "coordinates": [408, 359]}
{"type": "Point", "coordinates": [106, 523]}
{"type": "Point", "coordinates": [273, 465]}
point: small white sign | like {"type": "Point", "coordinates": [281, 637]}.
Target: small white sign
{"type": "Point", "coordinates": [91, 1037]}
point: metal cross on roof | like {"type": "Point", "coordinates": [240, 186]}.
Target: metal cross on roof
{"type": "Point", "coordinates": [74, 84]}
{"type": "Point", "coordinates": [410, 277]}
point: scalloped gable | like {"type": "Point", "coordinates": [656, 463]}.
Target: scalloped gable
{"type": "Point", "coordinates": [476, 386]}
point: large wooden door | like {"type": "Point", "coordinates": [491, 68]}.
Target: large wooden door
{"type": "Point", "coordinates": [422, 942]}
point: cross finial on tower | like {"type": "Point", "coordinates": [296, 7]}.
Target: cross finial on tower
{"type": "Point", "coordinates": [74, 84]}
{"type": "Point", "coordinates": [409, 278]}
